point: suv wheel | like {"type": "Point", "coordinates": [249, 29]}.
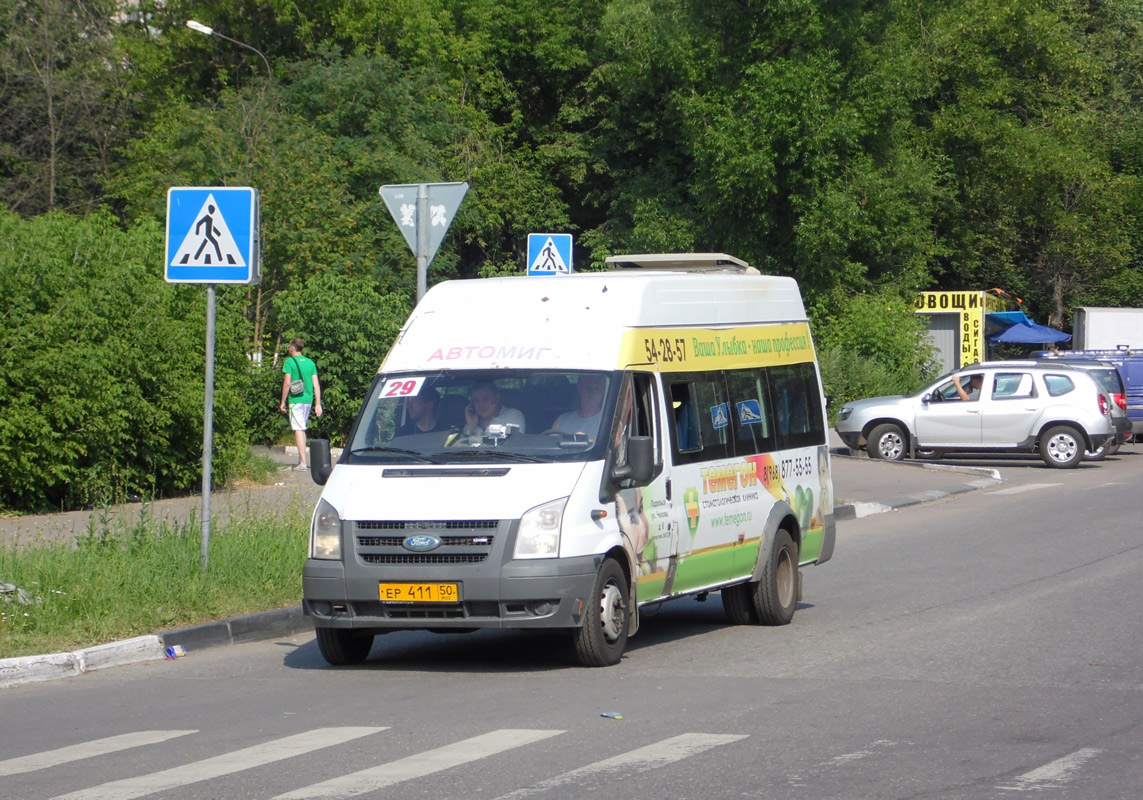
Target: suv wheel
{"type": "Point", "coordinates": [1061, 447]}
{"type": "Point", "coordinates": [887, 441]}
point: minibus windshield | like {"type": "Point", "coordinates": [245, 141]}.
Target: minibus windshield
{"type": "Point", "coordinates": [489, 416]}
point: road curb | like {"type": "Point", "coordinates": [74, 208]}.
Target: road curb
{"type": "Point", "coordinates": [53, 666]}
{"type": "Point", "coordinates": [985, 477]}
{"type": "Point", "coordinates": [246, 628]}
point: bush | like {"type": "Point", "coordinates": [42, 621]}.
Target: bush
{"type": "Point", "coordinates": [871, 345]}
{"type": "Point", "coordinates": [101, 395]}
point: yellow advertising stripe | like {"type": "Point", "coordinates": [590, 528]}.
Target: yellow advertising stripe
{"type": "Point", "coordinates": [705, 551]}
{"type": "Point", "coordinates": [698, 349]}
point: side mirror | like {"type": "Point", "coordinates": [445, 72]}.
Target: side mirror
{"type": "Point", "coordinates": [640, 466]}
{"type": "Point", "coordinates": [927, 398]}
{"type": "Point", "coordinates": [320, 466]}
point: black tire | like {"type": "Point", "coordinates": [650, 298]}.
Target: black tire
{"type": "Point", "coordinates": [887, 441]}
{"type": "Point", "coordinates": [602, 638]}
{"type": "Point", "coordinates": [738, 603]}
{"type": "Point", "coordinates": [342, 648]}
{"type": "Point", "coordinates": [1062, 447]}
{"type": "Point", "coordinates": [776, 594]}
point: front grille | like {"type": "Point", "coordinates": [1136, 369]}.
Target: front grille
{"type": "Point", "coordinates": [424, 558]}
{"type": "Point", "coordinates": [427, 526]}
{"type": "Point", "coordinates": [446, 541]}
{"type": "Point", "coordinates": [462, 541]}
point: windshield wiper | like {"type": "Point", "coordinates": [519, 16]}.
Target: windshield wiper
{"type": "Point", "coordinates": [491, 452]}
{"type": "Point", "coordinates": [396, 451]}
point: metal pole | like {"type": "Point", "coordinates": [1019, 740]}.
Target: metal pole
{"type": "Point", "coordinates": [207, 427]}
{"type": "Point", "coordinates": [422, 240]}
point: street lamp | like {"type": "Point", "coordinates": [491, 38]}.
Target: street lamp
{"type": "Point", "coordinates": [198, 26]}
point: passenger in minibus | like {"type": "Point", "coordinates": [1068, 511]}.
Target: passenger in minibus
{"type": "Point", "coordinates": [585, 421]}
{"type": "Point", "coordinates": [421, 413]}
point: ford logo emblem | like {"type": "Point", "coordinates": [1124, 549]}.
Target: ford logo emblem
{"type": "Point", "coordinates": [422, 543]}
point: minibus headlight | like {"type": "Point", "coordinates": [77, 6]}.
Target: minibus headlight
{"type": "Point", "coordinates": [325, 533]}
{"type": "Point", "coordinates": [539, 532]}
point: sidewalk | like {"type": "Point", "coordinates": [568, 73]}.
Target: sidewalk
{"type": "Point", "coordinates": [289, 487]}
{"type": "Point", "coordinates": [865, 486]}
{"type": "Point", "coordinates": [862, 487]}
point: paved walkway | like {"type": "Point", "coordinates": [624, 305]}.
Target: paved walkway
{"type": "Point", "coordinates": [288, 489]}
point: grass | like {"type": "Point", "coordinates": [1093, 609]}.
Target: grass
{"type": "Point", "coordinates": [255, 470]}
{"type": "Point", "coordinates": [119, 580]}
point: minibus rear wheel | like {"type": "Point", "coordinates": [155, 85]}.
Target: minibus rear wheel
{"type": "Point", "coordinates": [603, 636]}
{"type": "Point", "coordinates": [776, 593]}
{"type": "Point", "coordinates": [342, 648]}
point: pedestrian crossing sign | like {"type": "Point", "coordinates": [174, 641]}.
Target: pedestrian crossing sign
{"type": "Point", "coordinates": [720, 415]}
{"type": "Point", "coordinates": [213, 235]}
{"type": "Point", "coordinates": [549, 253]}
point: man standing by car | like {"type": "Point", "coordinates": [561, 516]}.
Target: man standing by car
{"type": "Point", "coordinates": [297, 368]}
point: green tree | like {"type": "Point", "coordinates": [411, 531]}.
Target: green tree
{"type": "Point", "coordinates": [64, 104]}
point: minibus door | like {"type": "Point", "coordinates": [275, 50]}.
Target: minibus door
{"type": "Point", "coordinates": [644, 509]}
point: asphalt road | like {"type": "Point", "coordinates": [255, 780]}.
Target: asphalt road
{"type": "Point", "coordinates": [982, 645]}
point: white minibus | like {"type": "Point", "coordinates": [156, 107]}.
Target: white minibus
{"type": "Point", "coordinates": [559, 452]}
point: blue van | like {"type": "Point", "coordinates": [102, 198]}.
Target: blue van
{"type": "Point", "coordinates": [1130, 365]}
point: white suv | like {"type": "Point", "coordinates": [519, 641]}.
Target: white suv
{"type": "Point", "coordinates": [1004, 406]}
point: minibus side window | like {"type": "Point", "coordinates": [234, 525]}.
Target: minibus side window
{"type": "Point", "coordinates": [701, 417]}
{"type": "Point", "coordinates": [796, 401]}
{"type": "Point", "coordinates": [753, 417]}
{"type": "Point", "coordinates": [684, 408]}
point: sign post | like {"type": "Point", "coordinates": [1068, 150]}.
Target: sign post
{"type": "Point", "coordinates": [423, 213]}
{"type": "Point", "coordinates": [213, 236]}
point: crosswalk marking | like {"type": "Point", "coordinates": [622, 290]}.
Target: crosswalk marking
{"type": "Point", "coordinates": [643, 759]}
{"type": "Point", "coordinates": [368, 780]}
{"type": "Point", "coordinates": [1052, 775]}
{"type": "Point", "coordinates": [76, 752]}
{"type": "Point", "coordinates": [225, 764]}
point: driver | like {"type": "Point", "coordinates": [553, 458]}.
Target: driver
{"type": "Point", "coordinates": [974, 383]}
{"type": "Point", "coordinates": [584, 421]}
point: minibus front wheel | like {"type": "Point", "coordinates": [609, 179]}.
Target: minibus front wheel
{"type": "Point", "coordinates": [603, 636]}
{"type": "Point", "coordinates": [341, 647]}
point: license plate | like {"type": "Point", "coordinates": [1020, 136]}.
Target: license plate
{"type": "Point", "coordinates": [419, 592]}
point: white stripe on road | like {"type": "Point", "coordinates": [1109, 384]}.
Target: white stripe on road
{"type": "Point", "coordinates": [76, 752]}
{"type": "Point", "coordinates": [1053, 775]}
{"type": "Point", "coordinates": [368, 780]}
{"type": "Point", "coordinates": [224, 764]}
{"type": "Point", "coordinates": [1028, 487]}
{"type": "Point", "coordinates": [646, 758]}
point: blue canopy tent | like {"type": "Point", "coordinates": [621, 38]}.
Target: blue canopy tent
{"type": "Point", "coordinates": [1016, 328]}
